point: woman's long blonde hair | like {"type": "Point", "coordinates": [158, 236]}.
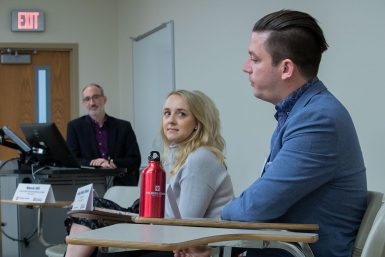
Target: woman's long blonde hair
{"type": "Point", "coordinates": [207, 133]}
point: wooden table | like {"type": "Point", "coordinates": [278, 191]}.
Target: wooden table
{"type": "Point", "coordinates": [225, 224]}
{"type": "Point", "coordinates": [173, 237]}
{"type": "Point", "coordinates": [113, 217]}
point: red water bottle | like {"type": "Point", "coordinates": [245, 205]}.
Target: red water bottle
{"type": "Point", "coordinates": [152, 190]}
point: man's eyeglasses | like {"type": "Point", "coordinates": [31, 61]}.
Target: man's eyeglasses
{"type": "Point", "coordinates": [94, 98]}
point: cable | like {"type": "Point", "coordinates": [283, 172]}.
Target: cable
{"type": "Point", "coordinates": [6, 161]}
{"type": "Point", "coordinates": [33, 166]}
{"type": "Point", "coordinates": [25, 240]}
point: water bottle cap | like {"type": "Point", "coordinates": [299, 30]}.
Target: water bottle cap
{"type": "Point", "coordinates": [151, 157]}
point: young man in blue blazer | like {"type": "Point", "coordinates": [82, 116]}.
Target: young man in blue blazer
{"type": "Point", "coordinates": [315, 172]}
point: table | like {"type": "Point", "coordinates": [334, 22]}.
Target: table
{"type": "Point", "coordinates": [39, 206]}
{"type": "Point", "coordinates": [113, 217]}
{"type": "Point", "coordinates": [173, 237]}
{"type": "Point", "coordinates": [21, 221]}
{"type": "Point", "coordinates": [224, 224]}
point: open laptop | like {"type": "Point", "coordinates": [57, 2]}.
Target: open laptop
{"type": "Point", "coordinates": [22, 146]}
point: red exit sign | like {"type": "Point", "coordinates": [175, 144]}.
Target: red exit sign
{"type": "Point", "coordinates": [27, 20]}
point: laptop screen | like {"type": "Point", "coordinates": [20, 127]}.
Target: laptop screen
{"type": "Point", "coordinates": [23, 147]}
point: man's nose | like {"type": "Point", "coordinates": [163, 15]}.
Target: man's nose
{"type": "Point", "coordinates": [247, 66]}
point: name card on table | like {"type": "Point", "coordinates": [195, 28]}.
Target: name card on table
{"type": "Point", "coordinates": [84, 198]}
{"type": "Point", "coordinates": [34, 193]}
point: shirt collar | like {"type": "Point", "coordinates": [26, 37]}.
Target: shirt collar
{"type": "Point", "coordinates": [285, 105]}
{"type": "Point", "coordinates": [96, 124]}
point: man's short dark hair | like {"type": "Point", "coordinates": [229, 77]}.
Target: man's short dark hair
{"type": "Point", "coordinates": [296, 36]}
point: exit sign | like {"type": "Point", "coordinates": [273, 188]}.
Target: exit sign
{"type": "Point", "coordinates": [27, 20]}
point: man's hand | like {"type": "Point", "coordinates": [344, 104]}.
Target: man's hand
{"type": "Point", "coordinates": [103, 163]}
{"type": "Point", "coordinates": [197, 251]}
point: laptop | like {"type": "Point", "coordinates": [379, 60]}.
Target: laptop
{"type": "Point", "coordinates": [22, 146]}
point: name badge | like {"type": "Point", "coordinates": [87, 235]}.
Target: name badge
{"type": "Point", "coordinates": [84, 198]}
{"type": "Point", "coordinates": [34, 193]}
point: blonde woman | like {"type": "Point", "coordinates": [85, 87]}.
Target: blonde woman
{"type": "Point", "coordinates": [193, 147]}
{"type": "Point", "coordinates": [193, 159]}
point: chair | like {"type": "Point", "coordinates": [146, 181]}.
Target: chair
{"type": "Point", "coordinates": [375, 243]}
{"type": "Point", "coordinates": [374, 204]}
{"type": "Point", "coordinates": [56, 250]}
{"type": "Point", "coordinates": [122, 195]}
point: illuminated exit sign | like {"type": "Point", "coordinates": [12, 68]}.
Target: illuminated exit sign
{"type": "Point", "coordinates": [27, 20]}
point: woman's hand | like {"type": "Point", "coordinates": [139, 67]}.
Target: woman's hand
{"type": "Point", "coordinates": [197, 251]}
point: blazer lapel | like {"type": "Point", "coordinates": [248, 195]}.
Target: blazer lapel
{"type": "Point", "coordinates": [307, 96]}
{"type": "Point", "coordinates": [301, 102]}
{"type": "Point", "coordinates": [90, 134]}
{"type": "Point", "coordinates": [112, 135]}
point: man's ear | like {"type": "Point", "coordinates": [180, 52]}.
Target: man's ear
{"type": "Point", "coordinates": [287, 67]}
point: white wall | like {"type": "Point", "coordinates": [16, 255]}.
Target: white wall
{"type": "Point", "coordinates": [211, 38]}
{"type": "Point", "coordinates": [92, 24]}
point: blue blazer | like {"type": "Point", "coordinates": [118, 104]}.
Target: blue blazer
{"type": "Point", "coordinates": [122, 146]}
{"type": "Point", "coordinates": [315, 174]}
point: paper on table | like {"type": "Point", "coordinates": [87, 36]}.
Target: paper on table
{"type": "Point", "coordinates": [172, 201]}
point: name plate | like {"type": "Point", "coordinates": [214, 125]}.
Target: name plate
{"type": "Point", "coordinates": [84, 199]}
{"type": "Point", "coordinates": [34, 193]}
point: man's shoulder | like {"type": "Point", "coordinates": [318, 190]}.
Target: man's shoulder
{"type": "Point", "coordinates": [118, 121]}
{"type": "Point", "coordinates": [120, 124]}
{"type": "Point", "coordinates": [318, 99]}
{"type": "Point", "coordinates": [79, 120]}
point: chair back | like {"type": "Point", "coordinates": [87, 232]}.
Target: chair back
{"type": "Point", "coordinates": [122, 195]}
{"type": "Point", "coordinates": [375, 243]}
{"type": "Point", "coordinates": [374, 204]}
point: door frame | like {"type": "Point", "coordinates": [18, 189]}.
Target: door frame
{"type": "Point", "coordinates": [74, 66]}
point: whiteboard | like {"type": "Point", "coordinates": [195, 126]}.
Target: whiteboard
{"type": "Point", "coordinates": [153, 79]}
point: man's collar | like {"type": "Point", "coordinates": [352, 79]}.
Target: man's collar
{"type": "Point", "coordinates": [285, 105]}
{"type": "Point", "coordinates": [96, 122]}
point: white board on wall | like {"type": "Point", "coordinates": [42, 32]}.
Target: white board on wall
{"type": "Point", "coordinates": [153, 79]}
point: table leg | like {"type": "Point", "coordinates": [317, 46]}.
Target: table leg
{"type": "Point", "coordinates": [40, 228]}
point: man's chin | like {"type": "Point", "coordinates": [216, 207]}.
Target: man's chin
{"type": "Point", "coordinates": [94, 112]}
{"type": "Point", "coordinates": [257, 94]}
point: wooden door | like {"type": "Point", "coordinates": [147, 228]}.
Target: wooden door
{"type": "Point", "coordinates": [17, 90]}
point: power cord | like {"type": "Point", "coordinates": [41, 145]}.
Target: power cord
{"type": "Point", "coordinates": [6, 161]}
{"type": "Point", "coordinates": [25, 240]}
{"type": "Point", "coordinates": [34, 170]}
